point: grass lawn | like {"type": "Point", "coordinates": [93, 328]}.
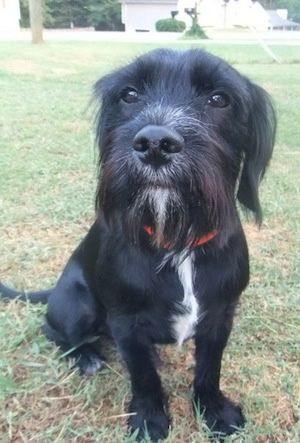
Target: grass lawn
{"type": "Point", "coordinates": [47, 183]}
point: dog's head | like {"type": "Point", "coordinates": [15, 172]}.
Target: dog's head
{"type": "Point", "coordinates": [182, 135]}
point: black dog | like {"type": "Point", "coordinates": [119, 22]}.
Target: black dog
{"type": "Point", "coordinates": [182, 137]}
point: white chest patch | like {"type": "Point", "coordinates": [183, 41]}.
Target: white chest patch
{"type": "Point", "coordinates": [184, 324]}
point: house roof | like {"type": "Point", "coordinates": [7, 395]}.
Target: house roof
{"type": "Point", "coordinates": [276, 21]}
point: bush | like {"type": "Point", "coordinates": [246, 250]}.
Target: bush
{"type": "Point", "coordinates": [170, 25]}
{"type": "Point", "coordinates": [195, 32]}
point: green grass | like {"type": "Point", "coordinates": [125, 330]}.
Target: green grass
{"type": "Point", "coordinates": [47, 182]}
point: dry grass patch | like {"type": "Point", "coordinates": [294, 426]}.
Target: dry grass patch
{"type": "Point", "coordinates": [39, 246]}
{"type": "Point", "coordinates": [62, 72]}
{"type": "Point", "coordinates": [21, 66]}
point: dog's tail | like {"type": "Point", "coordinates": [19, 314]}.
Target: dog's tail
{"type": "Point", "coordinates": [34, 297]}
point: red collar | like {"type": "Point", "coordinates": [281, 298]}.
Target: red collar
{"type": "Point", "coordinates": [198, 242]}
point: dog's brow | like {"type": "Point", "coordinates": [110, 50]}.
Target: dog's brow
{"type": "Point", "coordinates": [163, 114]}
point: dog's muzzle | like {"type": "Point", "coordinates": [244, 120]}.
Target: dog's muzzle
{"type": "Point", "coordinates": [155, 144]}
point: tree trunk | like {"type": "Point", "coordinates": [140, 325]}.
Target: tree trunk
{"type": "Point", "coordinates": [36, 20]}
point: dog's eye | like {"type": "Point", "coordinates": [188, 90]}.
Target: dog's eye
{"type": "Point", "coordinates": [219, 100]}
{"type": "Point", "coordinates": [129, 95]}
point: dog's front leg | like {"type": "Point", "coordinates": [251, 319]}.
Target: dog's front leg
{"type": "Point", "coordinates": [222, 416]}
{"type": "Point", "coordinates": [148, 405]}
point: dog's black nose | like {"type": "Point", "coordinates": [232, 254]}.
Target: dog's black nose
{"type": "Point", "coordinates": [158, 139]}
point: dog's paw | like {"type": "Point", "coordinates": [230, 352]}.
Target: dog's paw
{"type": "Point", "coordinates": [148, 420]}
{"type": "Point", "coordinates": [221, 415]}
{"type": "Point", "coordinates": [88, 360]}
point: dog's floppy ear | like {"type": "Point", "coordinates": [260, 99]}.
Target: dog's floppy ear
{"type": "Point", "coordinates": [102, 91]}
{"type": "Point", "coordinates": [258, 149]}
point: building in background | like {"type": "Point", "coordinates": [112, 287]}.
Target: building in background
{"type": "Point", "coordinates": [278, 20]}
{"type": "Point", "coordinates": [243, 13]}
{"type": "Point", "coordinates": [9, 16]}
{"type": "Point", "coordinates": [141, 15]}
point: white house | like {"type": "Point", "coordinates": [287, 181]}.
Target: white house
{"type": "Point", "coordinates": [221, 14]}
{"type": "Point", "coordinates": [277, 19]}
{"type": "Point", "coordinates": [238, 13]}
{"type": "Point", "coordinates": [141, 15]}
{"type": "Point", "coordinates": [9, 16]}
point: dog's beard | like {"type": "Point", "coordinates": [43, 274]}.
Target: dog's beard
{"type": "Point", "coordinates": [162, 209]}
{"type": "Point", "coordinates": [179, 212]}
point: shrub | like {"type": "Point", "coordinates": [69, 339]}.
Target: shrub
{"type": "Point", "coordinates": [195, 32]}
{"type": "Point", "coordinates": [170, 25]}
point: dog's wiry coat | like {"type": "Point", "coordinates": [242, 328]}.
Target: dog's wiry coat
{"type": "Point", "coordinates": [182, 137]}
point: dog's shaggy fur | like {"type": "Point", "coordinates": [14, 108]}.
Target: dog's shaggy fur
{"type": "Point", "coordinates": [182, 137]}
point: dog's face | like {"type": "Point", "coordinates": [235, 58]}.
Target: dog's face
{"type": "Point", "coordinates": [181, 134]}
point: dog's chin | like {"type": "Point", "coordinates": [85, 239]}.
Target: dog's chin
{"type": "Point", "coordinates": [150, 207]}
{"type": "Point", "coordinates": [163, 210]}
{"type": "Point", "coordinates": [177, 204]}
